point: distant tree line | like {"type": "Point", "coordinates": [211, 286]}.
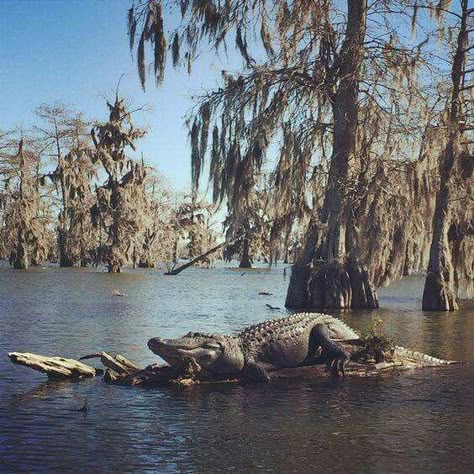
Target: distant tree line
{"type": "Point", "coordinates": [71, 194]}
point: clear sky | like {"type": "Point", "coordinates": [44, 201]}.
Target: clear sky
{"type": "Point", "coordinates": [74, 51]}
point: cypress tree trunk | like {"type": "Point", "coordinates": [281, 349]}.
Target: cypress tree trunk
{"type": "Point", "coordinates": [65, 259]}
{"type": "Point", "coordinates": [330, 273]}
{"type": "Point", "coordinates": [114, 267]}
{"type": "Point", "coordinates": [439, 293]}
{"type": "Point", "coordinates": [19, 258]}
{"type": "Point", "coordinates": [112, 248]}
{"type": "Point", "coordinates": [245, 261]}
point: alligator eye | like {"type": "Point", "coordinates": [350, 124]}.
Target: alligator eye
{"type": "Point", "coordinates": [212, 345]}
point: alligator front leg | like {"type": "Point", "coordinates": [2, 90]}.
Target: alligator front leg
{"type": "Point", "coordinates": [255, 372]}
{"type": "Point", "coordinates": [335, 356]}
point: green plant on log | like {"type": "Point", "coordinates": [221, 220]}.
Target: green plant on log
{"type": "Point", "coordinates": [376, 343]}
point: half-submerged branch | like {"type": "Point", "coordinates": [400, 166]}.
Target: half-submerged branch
{"type": "Point", "coordinates": [54, 367]}
{"type": "Point", "coordinates": [192, 262]}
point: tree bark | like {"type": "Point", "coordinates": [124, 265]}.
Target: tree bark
{"type": "Point", "coordinates": [330, 273]}
{"type": "Point", "coordinates": [439, 293]}
{"type": "Point", "coordinates": [65, 259]}
{"type": "Point", "coordinates": [19, 259]}
{"type": "Point", "coordinates": [245, 261]}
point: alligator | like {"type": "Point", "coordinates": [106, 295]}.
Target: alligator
{"type": "Point", "coordinates": [276, 343]}
{"type": "Point", "coordinates": [292, 341]}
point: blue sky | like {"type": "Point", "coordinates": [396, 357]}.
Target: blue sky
{"type": "Point", "coordinates": [74, 51]}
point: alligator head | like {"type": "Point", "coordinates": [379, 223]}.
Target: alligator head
{"type": "Point", "coordinates": [214, 353]}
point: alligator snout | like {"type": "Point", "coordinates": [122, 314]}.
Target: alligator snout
{"type": "Point", "coordinates": [165, 349]}
{"type": "Point", "coordinates": [155, 342]}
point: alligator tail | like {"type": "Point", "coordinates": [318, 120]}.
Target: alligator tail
{"type": "Point", "coordinates": [423, 358]}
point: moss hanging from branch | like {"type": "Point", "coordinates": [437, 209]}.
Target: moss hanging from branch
{"type": "Point", "coordinates": [323, 66]}
{"type": "Point", "coordinates": [24, 233]}
{"type": "Point", "coordinates": [120, 211]}
{"type": "Point", "coordinates": [63, 134]}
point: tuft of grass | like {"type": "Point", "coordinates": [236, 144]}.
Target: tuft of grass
{"type": "Point", "coordinates": [377, 342]}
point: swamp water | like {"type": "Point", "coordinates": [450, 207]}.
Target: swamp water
{"type": "Point", "coordinates": [416, 422]}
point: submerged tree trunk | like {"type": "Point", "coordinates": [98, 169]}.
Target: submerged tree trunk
{"type": "Point", "coordinates": [245, 261]}
{"type": "Point", "coordinates": [440, 293]}
{"type": "Point", "coordinates": [19, 258]}
{"type": "Point", "coordinates": [65, 259]}
{"type": "Point", "coordinates": [114, 268]}
{"type": "Point", "coordinates": [330, 273]}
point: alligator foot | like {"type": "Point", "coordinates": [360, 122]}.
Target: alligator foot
{"type": "Point", "coordinates": [337, 365]}
{"type": "Point", "coordinates": [335, 356]}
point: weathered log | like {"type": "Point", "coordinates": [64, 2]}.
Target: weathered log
{"type": "Point", "coordinates": [121, 371]}
{"type": "Point", "coordinates": [164, 375]}
{"type": "Point", "coordinates": [117, 363]}
{"type": "Point", "coordinates": [161, 376]}
{"type": "Point", "coordinates": [54, 367]}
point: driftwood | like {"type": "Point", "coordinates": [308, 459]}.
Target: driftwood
{"type": "Point", "coordinates": [118, 363]}
{"type": "Point", "coordinates": [179, 269]}
{"type": "Point", "coordinates": [54, 367]}
{"type": "Point", "coordinates": [121, 371]}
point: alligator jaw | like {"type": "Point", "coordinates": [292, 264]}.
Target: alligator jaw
{"type": "Point", "coordinates": [203, 349]}
{"type": "Point", "coordinates": [168, 349]}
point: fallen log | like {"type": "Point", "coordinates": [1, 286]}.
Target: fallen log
{"type": "Point", "coordinates": [164, 375]}
{"type": "Point", "coordinates": [188, 374]}
{"type": "Point", "coordinates": [121, 371]}
{"type": "Point", "coordinates": [54, 367]}
{"type": "Point", "coordinates": [178, 270]}
{"type": "Point", "coordinates": [117, 363]}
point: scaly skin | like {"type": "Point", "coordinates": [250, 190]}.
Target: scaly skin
{"type": "Point", "coordinates": [278, 343]}
{"type": "Point", "coordinates": [421, 358]}
{"type": "Point", "coordinates": [285, 342]}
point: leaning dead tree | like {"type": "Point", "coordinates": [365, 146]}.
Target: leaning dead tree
{"type": "Point", "coordinates": [443, 278]}
{"type": "Point", "coordinates": [300, 109]}
{"type": "Point", "coordinates": [120, 210]}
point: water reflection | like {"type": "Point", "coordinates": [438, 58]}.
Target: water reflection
{"type": "Point", "coordinates": [417, 422]}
